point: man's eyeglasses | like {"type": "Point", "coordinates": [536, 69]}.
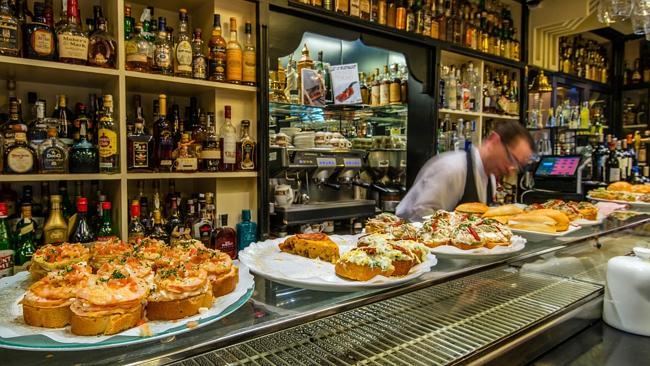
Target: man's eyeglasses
{"type": "Point", "coordinates": [512, 159]}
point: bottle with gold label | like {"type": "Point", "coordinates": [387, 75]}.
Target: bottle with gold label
{"type": "Point", "coordinates": [233, 56]}
{"type": "Point", "coordinates": [246, 148]}
{"type": "Point", "coordinates": [183, 47]}
{"type": "Point", "coordinates": [72, 41]}
{"type": "Point", "coordinates": [55, 230]}
{"type": "Point", "coordinates": [249, 72]}
{"type": "Point", "coordinates": [108, 140]}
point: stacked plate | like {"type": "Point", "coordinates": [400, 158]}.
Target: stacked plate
{"type": "Point", "coordinates": [304, 140]}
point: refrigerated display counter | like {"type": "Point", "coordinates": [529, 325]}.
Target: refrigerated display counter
{"type": "Point", "coordinates": [504, 311]}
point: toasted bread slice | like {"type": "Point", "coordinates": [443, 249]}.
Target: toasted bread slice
{"type": "Point", "coordinates": [178, 309]}
{"type": "Point", "coordinates": [359, 272]}
{"type": "Point", "coordinates": [105, 324]}
{"type": "Point", "coordinates": [225, 284]}
{"type": "Point", "coordinates": [402, 267]}
{"type": "Point", "coordinates": [47, 317]}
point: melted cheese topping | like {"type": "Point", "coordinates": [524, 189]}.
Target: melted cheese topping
{"type": "Point", "coordinates": [362, 258]}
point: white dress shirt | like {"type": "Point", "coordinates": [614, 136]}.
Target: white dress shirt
{"type": "Point", "coordinates": [440, 185]}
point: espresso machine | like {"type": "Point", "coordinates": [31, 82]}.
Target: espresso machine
{"type": "Point", "coordinates": [326, 185]}
{"type": "Point", "coordinates": [387, 169]}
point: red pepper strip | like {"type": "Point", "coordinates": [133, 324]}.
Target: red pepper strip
{"type": "Point", "coordinates": [474, 234]}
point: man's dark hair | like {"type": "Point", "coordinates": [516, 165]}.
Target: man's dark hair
{"type": "Point", "coordinates": [511, 130]}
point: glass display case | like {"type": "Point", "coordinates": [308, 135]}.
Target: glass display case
{"type": "Point", "coordinates": [463, 310]}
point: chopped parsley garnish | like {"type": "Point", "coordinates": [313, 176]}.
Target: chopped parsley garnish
{"type": "Point", "coordinates": [117, 275]}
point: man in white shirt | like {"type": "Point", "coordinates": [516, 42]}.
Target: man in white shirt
{"type": "Point", "coordinates": [444, 181]}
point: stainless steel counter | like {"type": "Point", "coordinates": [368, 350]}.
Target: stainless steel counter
{"type": "Point", "coordinates": [455, 290]}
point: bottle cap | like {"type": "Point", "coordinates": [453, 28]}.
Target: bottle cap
{"type": "Point", "coordinates": [135, 209]}
{"type": "Point", "coordinates": [82, 204]}
{"type": "Point", "coordinates": [246, 215]}
{"type": "Point", "coordinates": [106, 205]}
{"type": "Point", "coordinates": [3, 210]}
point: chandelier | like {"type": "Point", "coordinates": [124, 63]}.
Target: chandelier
{"type": "Point", "coordinates": [637, 11]}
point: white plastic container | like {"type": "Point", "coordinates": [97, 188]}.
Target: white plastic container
{"type": "Point", "coordinates": [627, 293]}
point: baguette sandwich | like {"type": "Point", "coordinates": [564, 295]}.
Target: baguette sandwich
{"type": "Point", "coordinates": [544, 220]}
{"type": "Point", "coordinates": [502, 213]}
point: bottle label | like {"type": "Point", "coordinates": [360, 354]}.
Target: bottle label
{"type": "Point", "coordinates": [199, 68]}
{"type": "Point", "coordinates": [395, 92]}
{"type": "Point", "coordinates": [106, 238]}
{"type": "Point", "coordinates": [29, 228]}
{"type": "Point", "coordinates": [354, 8]}
{"type": "Point", "coordinates": [6, 263]}
{"type": "Point", "coordinates": [140, 154]}
{"type": "Point", "coordinates": [249, 67]}
{"type": "Point", "coordinates": [8, 36]}
{"type": "Point", "coordinates": [230, 148]}
{"type": "Point", "coordinates": [162, 57]}
{"type": "Point", "coordinates": [42, 42]}
{"type": "Point", "coordinates": [186, 164]}
{"type": "Point", "coordinates": [53, 160]}
{"type": "Point", "coordinates": [374, 95]}
{"type": "Point", "coordinates": [211, 151]}
{"type": "Point", "coordinates": [205, 232]}
{"type": "Point", "coordinates": [614, 174]}
{"type": "Point", "coordinates": [107, 143]}
{"type": "Point", "coordinates": [233, 64]}
{"type": "Point", "coordinates": [228, 247]}
{"type": "Point", "coordinates": [218, 63]}
{"type": "Point", "coordinates": [20, 160]}
{"type": "Point", "coordinates": [247, 153]}
{"type": "Point", "coordinates": [184, 56]}
{"type": "Point", "coordinates": [54, 236]}
{"type": "Point", "coordinates": [73, 46]}
{"type": "Point", "coordinates": [132, 54]}
{"type": "Point", "coordinates": [384, 94]}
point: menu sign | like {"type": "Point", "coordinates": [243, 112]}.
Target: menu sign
{"type": "Point", "coordinates": [345, 84]}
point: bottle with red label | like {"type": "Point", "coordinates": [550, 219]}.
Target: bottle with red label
{"type": "Point", "coordinates": [224, 238]}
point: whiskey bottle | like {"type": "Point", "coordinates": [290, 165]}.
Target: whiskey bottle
{"type": "Point", "coordinates": [140, 149]}
{"type": "Point", "coordinates": [20, 158]}
{"type": "Point", "coordinates": [199, 61]}
{"type": "Point", "coordinates": [233, 55]}
{"type": "Point", "coordinates": [246, 151]}
{"type": "Point", "coordinates": [183, 47]}
{"type": "Point", "coordinates": [9, 29]}
{"type": "Point", "coordinates": [136, 51]}
{"type": "Point", "coordinates": [163, 50]}
{"type": "Point", "coordinates": [228, 143]}
{"type": "Point", "coordinates": [375, 90]}
{"type": "Point", "coordinates": [72, 41]}
{"type": "Point", "coordinates": [39, 36]}
{"type": "Point", "coordinates": [185, 160]}
{"type": "Point", "coordinates": [102, 48]}
{"type": "Point", "coordinates": [217, 52]}
{"type": "Point", "coordinates": [25, 236]}
{"type": "Point", "coordinates": [211, 151]}
{"type": "Point", "coordinates": [384, 87]}
{"type": "Point", "coordinates": [395, 94]}
{"type": "Point", "coordinates": [53, 154]}
{"type": "Point", "coordinates": [224, 238]}
{"type": "Point", "coordinates": [363, 87]}
{"type": "Point", "coordinates": [163, 138]}
{"type": "Point", "coordinates": [65, 116]}
{"type": "Point", "coordinates": [158, 231]}
{"type": "Point", "coordinates": [37, 131]}
{"type": "Point", "coordinates": [202, 229]}
{"type": "Point", "coordinates": [13, 123]}
{"type": "Point", "coordinates": [250, 59]}
{"type": "Point", "coordinates": [84, 156]}
{"type": "Point", "coordinates": [55, 230]}
{"type": "Point", "coordinates": [174, 222]}
{"type": "Point", "coordinates": [108, 139]}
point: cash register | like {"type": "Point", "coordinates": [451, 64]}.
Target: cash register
{"type": "Point", "coordinates": [558, 177]}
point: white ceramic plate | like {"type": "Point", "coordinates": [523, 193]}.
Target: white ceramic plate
{"type": "Point", "coordinates": [530, 235]}
{"type": "Point", "coordinates": [15, 334]}
{"type": "Point", "coordinates": [584, 222]}
{"type": "Point", "coordinates": [642, 205]}
{"type": "Point", "coordinates": [517, 243]}
{"type": "Point", "coordinates": [266, 259]}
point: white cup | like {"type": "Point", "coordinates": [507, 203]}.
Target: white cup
{"type": "Point", "coordinates": [283, 194]}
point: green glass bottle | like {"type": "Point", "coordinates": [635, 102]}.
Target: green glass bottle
{"type": "Point", "coordinates": [5, 234]}
{"type": "Point", "coordinates": [106, 230]}
{"type": "Point", "coordinates": [25, 229]}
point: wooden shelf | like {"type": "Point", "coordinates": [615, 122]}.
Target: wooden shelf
{"type": "Point", "coordinates": [637, 87]}
{"type": "Point", "coordinates": [642, 125]}
{"type": "Point", "coordinates": [191, 175]}
{"type": "Point", "coordinates": [52, 72]}
{"type": "Point", "coordinates": [153, 83]}
{"type": "Point", "coordinates": [53, 177]}
{"type": "Point", "coordinates": [499, 116]}
{"type": "Point", "coordinates": [458, 112]}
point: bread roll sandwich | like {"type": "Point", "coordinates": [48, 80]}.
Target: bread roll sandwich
{"type": "Point", "coordinates": [472, 208]}
{"type": "Point", "coordinates": [620, 187]}
{"type": "Point", "coordinates": [109, 304]}
{"type": "Point", "coordinates": [316, 245]}
{"type": "Point", "coordinates": [363, 264]}
{"type": "Point", "coordinates": [179, 291]}
{"type": "Point", "coordinates": [545, 220]}
{"type": "Point", "coordinates": [50, 258]}
{"type": "Point", "coordinates": [401, 258]}
{"type": "Point", "coordinates": [502, 213]}
{"type": "Point", "coordinates": [47, 301]}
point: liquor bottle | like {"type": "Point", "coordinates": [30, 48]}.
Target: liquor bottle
{"type": "Point", "coordinates": [136, 229]}
{"type": "Point", "coordinates": [53, 154]}
{"type": "Point", "coordinates": [202, 229]}
{"type": "Point", "coordinates": [158, 231]}
{"type": "Point", "coordinates": [183, 47]}
{"type": "Point", "coordinates": [25, 236]}
{"type": "Point", "coordinates": [84, 156]}
{"type": "Point", "coordinates": [246, 148]}
{"type": "Point", "coordinates": [82, 117]}
{"type": "Point", "coordinates": [375, 89]}
{"type": "Point", "coordinates": [20, 158]}
{"type": "Point", "coordinates": [199, 61]}
{"type": "Point", "coordinates": [140, 149]}
{"type": "Point", "coordinates": [394, 92]}
{"type": "Point", "coordinates": [129, 23]}
{"type": "Point", "coordinates": [184, 158]}
{"type": "Point", "coordinates": [6, 243]}
{"type": "Point", "coordinates": [66, 204]}
{"type": "Point", "coordinates": [364, 9]}
{"type": "Point", "coordinates": [249, 73]}
{"type": "Point", "coordinates": [102, 48]}
{"type": "Point", "coordinates": [65, 116]}
{"type": "Point", "coordinates": [190, 217]}
{"type": "Point", "coordinates": [211, 150]}
{"type": "Point", "coordinates": [163, 139]}
{"type": "Point", "coordinates": [246, 231]}
{"type": "Point", "coordinates": [71, 40]}
{"type": "Point", "coordinates": [55, 230]}
{"type": "Point", "coordinates": [9, 45]}
{"type": "Point", "coordinates": [106, 230]}
{"type": "Point", "coordinates": [108, 140]}
{"type": "Point", "coordinates": [342, 6]}
{"type": "Point", "coordinates": [83, 231]}
{"type": "Point", "coordinates": [39, 37]}
{"type": "Point", "coordinates": [217, 52]}
{"type": "Point", "coordinates": [612, 166]}
{"type": "Point", "coordinates": [145, 215]}
{"type": "Point", "coordinates": [637, 76]}
{"type": "Point", "coordinates": [174, 222]}
{"type": "Point", "coordinates": [225, 239]}
{"type": "Point", "coordinates": [136, 51]}
{"type": "Point", "coordinates": [162, 50]}
{"type": "Point", "coordinates": [228, 136]}
{"type": "Point", "coordinates": [14, 119]}
{"type": "Point", "coordinates": [384, 87]}
{"type": "Point", "coordinates": [233, 55]}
